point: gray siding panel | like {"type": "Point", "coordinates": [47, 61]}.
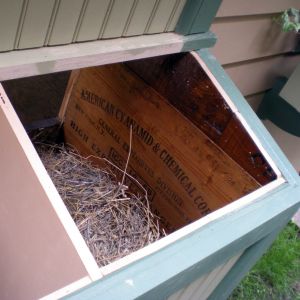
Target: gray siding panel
{"type": "Point", "coordinates": [140, 17]}
{"type": "Point", "coordinates": [36, 23]}
{"type": "Point", "coordinates": [10, 13]}
{"type": "Point", "coordinates": [65, 23]}
{"type": "Point", "coordinates": [93, 20]}
{"type": "Point", "coordinates": [117, 19]}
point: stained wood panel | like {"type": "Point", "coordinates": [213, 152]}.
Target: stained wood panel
{"type": "Point", "coordinates": [186, 175]}
{"type": "Point", "coordinates": [192, 92]}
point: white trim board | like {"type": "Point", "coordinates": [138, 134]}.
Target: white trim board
{"type": "Point", "coordinates": [24, 63]}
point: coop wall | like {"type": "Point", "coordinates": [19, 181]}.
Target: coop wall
{"type": "Point", "coordinates": [251, 47]}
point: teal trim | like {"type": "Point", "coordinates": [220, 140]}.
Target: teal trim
{"type": "Point", "coordinates": [188, 15]}
{"type": "Point", "coordinates": [205, 16]}
{"type": "Point", "coordinates": [197, 41]}
{"type": "Point", "coordinates": [168, 270]}
{"type": "Point", "coordinates": [243, 266]}
{"type": "Point", "coordinates": [279, 111]}
{"type": "Point", "coordinates": [250, 116]}
{"type": "Point", "coordinates": [197, 16]}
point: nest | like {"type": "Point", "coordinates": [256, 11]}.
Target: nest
{"type": "Point", "coordinates": [112, 221]}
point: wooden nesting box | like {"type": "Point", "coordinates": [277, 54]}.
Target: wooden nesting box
{"type": "Point", "coordinates": [222, 187]}
{"type": "Point", "coordinates": [204, 167]}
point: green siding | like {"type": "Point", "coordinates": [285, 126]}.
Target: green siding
{"type": "Point", "coordinates": [117, 19]}
{"type": "Point", "coordinates": [36, 22]}
{"type": "Point", "coordinates": [65, 22]}
{"type": "Point", "coordinates": [140, 18]}
{"type": "Point", "coordinates": [161, 16]}
{"type": "Point", "coordinates": [92, 20]}
{"type": "Point", "coordinates": [10, 13]}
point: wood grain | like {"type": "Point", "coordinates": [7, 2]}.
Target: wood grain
{"type": "Point", "coordinates": [183, 83]}
{"type": "Point", "coordinates": [184, 172]}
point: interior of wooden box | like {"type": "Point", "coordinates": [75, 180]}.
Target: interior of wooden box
{"type": "Point", "coordinates": [179, 105]}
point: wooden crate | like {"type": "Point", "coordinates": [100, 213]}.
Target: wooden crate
{"type": "Point", "coordinates": [191, 149]}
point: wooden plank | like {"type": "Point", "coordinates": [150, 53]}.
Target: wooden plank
{"type": "Point", "coordinates": [203, 287]}
{"type": "Point", "coordinates": [140, 17]}
{"type": "Point", "coordinates": [162, 15]}
{"type": "Point", "coordinates": [10, 13]}
{"type": "Point", "coordinates": [25, 63]}
{"type": "Point", "coordinates": [40, 235]}
{"type": "Point", "coordinates": [62, 31]}
{"type": "Point", "coordinates": [243, 8]}
{"type": "Point", "coordinates": [262, 72]}
{"type": "Point", "coordinates": [241, 39]}
{"type": "Point", "coordinates": [192, 92]}
{"type": "Point", "coordinates": [93, 20]}
{"type": "Point", "coordinates": [263, 140]}
{"type": "Point", "coordinates": [185, 174]}
{"type": "Point", "coordinates": [36, 23]}
{"type": "Point", "coordinates": [117, 18]}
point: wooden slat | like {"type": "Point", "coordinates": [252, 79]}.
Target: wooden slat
{"type": "Point", "coordinates": [140, 18]}
{"type": "Point", "coordinates": [35, 240]}
{"type": "Point", "coordinates": [242, 39]}
{"type": "Point", "coordinates": [191, 91]}
{"type": "Point", "coordinates": [10, 13]}
{"type": "Point", "coordinates": [117, 18]}
{"type": "Point", "coordinates": [212, 179]}
{"type": "Point", "coordinates": [254, 7]}
{"type": "Point", "coordinates": [31, 62]}
{"type": "Point", "coordinates": [92, 20]}
{"type": "Point", "coordinates": [36, 23]}
{"type": "Point", "coordinates": [63, 31]}
{"type": "Point", "coordinates": [262, 72]}
{"type": "Point", "coordinates": [161, 16]}
{"type": "Point", "coordinates": [201, 288]}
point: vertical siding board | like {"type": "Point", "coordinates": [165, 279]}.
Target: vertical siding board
{"type": "Point", "coordinates": [161, 17]}
{"type": "Point", "coordinates": [93, 20]}
{"type": "Point", "coordinates": [65, 22]}
{"type": "Point", "coordinates": [188, 15]}
{"type": "Point", "coordinates": [140, 17]}
{"type": "Point", "coordinates": [117, 19]}
{"type": "Point", "coordinates": [10, 13]}
{"type": "Point", "coordinates": [36, 23]}
{"type": "Point", "coordinates": [178, 10]}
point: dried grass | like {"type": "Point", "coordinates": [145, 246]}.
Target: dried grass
{"type": "Point", "coordinates": [112, 221]}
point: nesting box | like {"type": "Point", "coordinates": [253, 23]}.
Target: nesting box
{"type": "Point", "coordinates": [208, 173]}
{"type": "Point", "coordinates": [218, 182]}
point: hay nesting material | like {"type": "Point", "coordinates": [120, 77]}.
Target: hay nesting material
{"type": "Point", "coordinates": [112, 221]}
